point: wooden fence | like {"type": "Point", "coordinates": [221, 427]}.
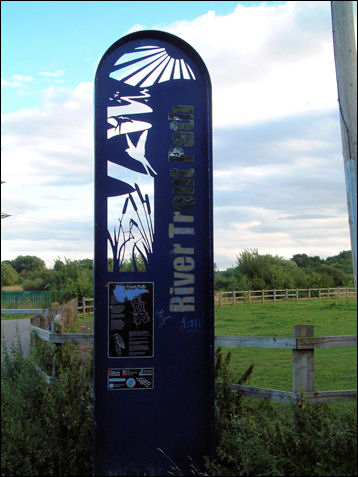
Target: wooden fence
{"type": "Point", "coordinates": [44, 327]}
{"type": "Point", "coordinates": [303, 343]}
{"type": "Point", "coordinates": [86, 306]}
{"type": "Point", "coordinates": [256, 296]}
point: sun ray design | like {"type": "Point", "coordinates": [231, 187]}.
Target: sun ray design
{"type": "Point", "coordinates": [149, 65]}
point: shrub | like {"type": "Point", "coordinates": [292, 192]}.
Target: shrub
{"type": "Point", "coordinates": [260, 439]}
{"type": "Point", "coordinates": [46, 430]}
{"type": "Point", "coordinates": [9, 275]}
{"type": "Point", "coordinates": [71, 279]}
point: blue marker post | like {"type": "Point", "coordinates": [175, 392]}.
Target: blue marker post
{"type": "Point", "coordinates": [154, 323]}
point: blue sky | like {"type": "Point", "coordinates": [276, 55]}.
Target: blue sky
{"type": "Point", "coordinates": [70, 36]}
{"type": "Point", "coordinates": [278, 168]}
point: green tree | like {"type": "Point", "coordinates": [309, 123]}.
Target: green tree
{"type": "Point", "coordinates": [265, 271]}
{"type": "Point", "coordinates": [27, 265]}
{"type": "Point", "coordinates": [304, 261]}
{"type": "Point", "coordinates": [334, 271]}
{"type": "Point", "coordinates": [343, 260]}
{"type": "Point", "coordinates": [254, 271]}
{"type": "Point", "coordinates": [38, 280]}
{"type": "Point", "coordinates": [224, 280]}
{"type": "Point", "coordinates": [9, 275]}
{"type": "Point", "coordinates": [71, 279]}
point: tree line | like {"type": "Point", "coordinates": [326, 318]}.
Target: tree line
{"type": "Point", "coordinates": [253, 271]}
{"type": "Point", "coordinates": [68, 279]}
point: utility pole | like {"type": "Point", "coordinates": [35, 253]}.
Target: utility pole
{"type": "Point", "coordinates": [345, 56]}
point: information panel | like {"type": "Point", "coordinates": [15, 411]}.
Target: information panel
{"type": "Point", "coordinates": [153, 280]}
{"type": "Point", "coordinates": [130, 321]}
{"type": "Point", "coordinates": [132, 378]}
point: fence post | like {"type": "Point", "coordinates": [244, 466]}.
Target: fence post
{"type": "Point", "coordinates": [220, 298]}
{"type": "Point", "coordinates": [249, 296]}
{"type": "Point", "coordinates": [296, 294]}
{"type": "Point", "coordinates": [263, 296]}
{"type": "Point", "coordinates": [303, 362]}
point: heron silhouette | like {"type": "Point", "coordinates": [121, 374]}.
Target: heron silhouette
{"type": "Point", "coordinates": [138, 152]}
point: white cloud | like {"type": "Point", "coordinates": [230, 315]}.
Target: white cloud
{"type": "Point", "coordinates": [17, 81]}
{"type": "Point", "coordinates": [242, 227]}
{"type": "Point", "coordinates": [136, 27]}
{"type": "Point", "coordinates": [47, 164]}
{"type": "Point", "coordinates": [266, 61]}
{"type": "Point", "coordinates": [10, 84]}
{"type": "Point", "coordinates": [278, 171]}
{"type": "Point", "coordinates": [52, 74]}
{"type": "Point", "coordinates": [52, 143]}
{"type": "Point", "coordinates": [23, 78]}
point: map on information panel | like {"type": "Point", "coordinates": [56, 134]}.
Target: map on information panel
{"type": "Point", "coordinates": [130, 319]}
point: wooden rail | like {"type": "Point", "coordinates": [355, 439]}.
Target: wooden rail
{"type": "Point", "coordinates": [24, 311]}
{"type": "Point", "coordinates": [303, 344]}
{"type": "Point", "coordinates": [288, 343]}
{"type": "Point", "coordinates": [52, 328]}
{"type": "Point", "coordinates": [86, 307]}
{"type": "Point", "coordinates": [57, 339]}
{"type": "Point", "coordinates": [60, 338]}
{"type": "Point", "coordinates": [262, 296]}
{"type": "Point", "coordinates": [252, 296]}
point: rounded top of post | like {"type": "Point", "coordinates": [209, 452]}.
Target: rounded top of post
{"type": "Point", "coordinates": [156, 35]}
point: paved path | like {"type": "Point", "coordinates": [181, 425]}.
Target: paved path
{"type": "Point", "coordinates": [8, 331]}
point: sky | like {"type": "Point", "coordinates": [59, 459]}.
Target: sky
{"type": "Point", "coordinates": [278, 173]}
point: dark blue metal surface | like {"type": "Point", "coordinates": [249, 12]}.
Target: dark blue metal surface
{"type": "Point", "coordinates": [154, 329]}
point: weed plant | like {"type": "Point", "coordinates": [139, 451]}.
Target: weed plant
{"type": "Point", "coordinates": [46, 429]}
{"type": "Point", "coordinates": [256, 438]}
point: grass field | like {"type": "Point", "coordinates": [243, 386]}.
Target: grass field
{"type": "Point", "coordinates": [335, 368]}
{"type": "Point", "coordinates": [12, 288]}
